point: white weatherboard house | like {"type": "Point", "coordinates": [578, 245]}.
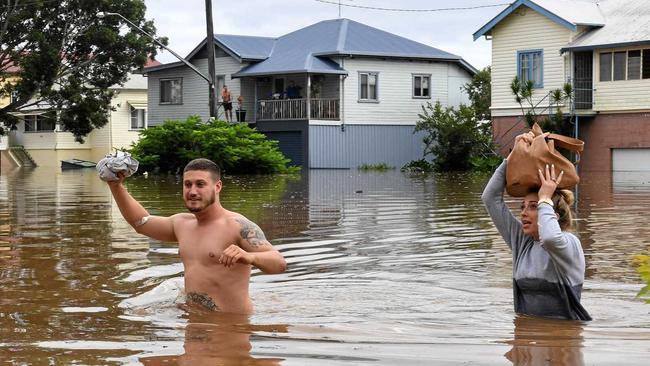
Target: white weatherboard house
{"type": "Point", "coordinates": [602, 49]}
{"type": "Point", "coordinates": [46, 144]}
{"type": "Point", "coordinates": [335, 94]}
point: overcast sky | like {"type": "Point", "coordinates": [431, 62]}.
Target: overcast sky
{"type": "Point", "coordinates": [183, 21]}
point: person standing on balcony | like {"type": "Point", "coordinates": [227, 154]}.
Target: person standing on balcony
{"type": "Point", "coordinates": [226, 99]}
{"type": "Point", "coordinates": [293, 91]}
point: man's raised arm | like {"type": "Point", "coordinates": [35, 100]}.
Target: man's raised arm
{"type": "Point", "coordinates": [156, 227]}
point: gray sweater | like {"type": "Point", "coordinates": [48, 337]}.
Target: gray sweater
{"type": "Point", "coordinates": [547, 274]}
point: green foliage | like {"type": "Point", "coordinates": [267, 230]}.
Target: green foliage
{"type": "Point", "coordinates": [485, 162]}
{"type": "Point", "coordinates": [479, 91]}
{"type": "Point", "coordinates": [59, 53]}
{"type": "Point", "coordinates": [238, 149]}
{"type": "Point", "coordinates": [453, 136]}
{"type": "Point", "coordinates": [380, 167]}
{"type": "Point", "coordinates": [418, 166]}
{"type": "Point", "coordinates": [642, 263]}
{"type": "Point", "coordinates": [549, 122]}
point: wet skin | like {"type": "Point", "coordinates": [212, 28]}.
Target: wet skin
{"type": "Point", "coordinates": [217, 246]}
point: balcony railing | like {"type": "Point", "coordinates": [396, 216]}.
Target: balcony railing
{"type": "Point", "coordinates": [296, 109]}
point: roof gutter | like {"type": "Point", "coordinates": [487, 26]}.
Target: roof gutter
{"type": "Point", "coordinates": [601, 46]}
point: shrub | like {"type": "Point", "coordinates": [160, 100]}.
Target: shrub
{"type": "Point", "coordinates": [381, 167]}
{"type": "Point", "coordinates": [418, 166]}
{"type": "Point", "coordinates": [454, 137]}
{"type": "Point", "coordinates": [238, 149]}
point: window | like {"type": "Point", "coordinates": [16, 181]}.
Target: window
{"type": "Point", "coordinates": [619, 65]}
{"type": "Point", "coordinates": [39, 123]}
{"type": "Point", "coordinates": [606, 66]}
{"type": "Point", "coordinates": [138, 118]}
{"type": "Point", "coordinates": [171, 91]}
{"type": "Point", "coordinates": [421, 87]}
{"type": "Point", "coordinates": [625, 65]}
{"type": "Point", "coordinates": [530, 67]}
{"type": "Point", "coordinates": [634, 65]}
{"type": "Point", "coordinates": [368, 86]}
{"type": "Point", "coordinates": [14, 96]}
{"type": "Point", "coordinates": [221, 81]}
{"type": "Point", "coordinates": [278, 86]}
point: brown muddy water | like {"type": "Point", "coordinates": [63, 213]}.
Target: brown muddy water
{"type": "Point", "coordinates": [384, 269]}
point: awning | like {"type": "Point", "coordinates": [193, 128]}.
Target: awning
{"type": "Point", "coordinates": [137, 105]}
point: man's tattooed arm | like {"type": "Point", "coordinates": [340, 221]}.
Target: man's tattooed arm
{"type": "Point", "coordinates": [251, 233]}
{"type": "Point", "coordinates": [253, 241]}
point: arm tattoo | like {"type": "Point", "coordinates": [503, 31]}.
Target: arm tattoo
{"type": "Point", "coordinates": [251, 232]}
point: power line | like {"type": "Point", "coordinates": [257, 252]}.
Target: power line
{"type": "Point", "coordinates": [412, 10]}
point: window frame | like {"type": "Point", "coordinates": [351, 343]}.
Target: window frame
{"type": "Point", "coordinates": [420, 75]}
{"type": "Point", "coordinates": [540, 51]}
{"type": "Point", "coordinates": [144, 118]}
{"type": "Point", "coordinates": [612, 52]}
{"type": "Point", "coordinates": [38, 129]}
{"type": "Point", "coordinates": [171, 102]}
{"type": "Point", "coordinates": [639, 66]}
{"type": "Point", "coordinates": [368, 100]}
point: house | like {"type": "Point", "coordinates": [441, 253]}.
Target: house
{"type": "Point", "coordinates": [41, 138]}
{"type": "Point", "coordinates": [335, 94]}
{"type": "Point", "coordinates": [602, 49]}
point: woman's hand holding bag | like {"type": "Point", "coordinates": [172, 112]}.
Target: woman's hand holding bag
{"type": "Point", "coordinates": [534, 151]}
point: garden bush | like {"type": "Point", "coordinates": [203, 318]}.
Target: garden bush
{"type": "Point", "coordinates": [238, 149]}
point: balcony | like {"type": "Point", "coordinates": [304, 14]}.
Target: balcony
{"type": "Point", "coordinates": [298, 109]}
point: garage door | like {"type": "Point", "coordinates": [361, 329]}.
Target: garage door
{"type": "Point", "coordinates": [631, 160]}
{"type": "Point", "coordinates": [291, 145]}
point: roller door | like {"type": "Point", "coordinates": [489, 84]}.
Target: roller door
{"type": "Point", "coordinates": [631, 160]}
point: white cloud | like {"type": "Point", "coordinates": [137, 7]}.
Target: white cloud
{"type": "Point", "coordinates": [183, 22]}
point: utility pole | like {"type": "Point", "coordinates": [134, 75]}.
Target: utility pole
{"type": "Point", "coordinates": [212, 93]}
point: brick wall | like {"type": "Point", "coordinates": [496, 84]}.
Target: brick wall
{"type": "Point", "coordinates": [605, 132]}
{"type": "Point", "coordinates": [601, 134]}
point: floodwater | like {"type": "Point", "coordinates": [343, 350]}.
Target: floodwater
{"type": "Point", "coordinates": [384, 269]}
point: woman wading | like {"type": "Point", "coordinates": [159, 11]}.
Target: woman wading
{"type": "Point", "coordinates": [548, 262]}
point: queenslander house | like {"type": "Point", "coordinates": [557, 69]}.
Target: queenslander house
{"type": "Point", "coordinates": [602, 49]}
{"type": "Point", "coordinates": [40, 141]}
{"type": "Point", "coordinates": [335, 94]}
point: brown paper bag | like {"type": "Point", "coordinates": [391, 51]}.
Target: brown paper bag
{"type": "Point", "coordinates": [525, 159]}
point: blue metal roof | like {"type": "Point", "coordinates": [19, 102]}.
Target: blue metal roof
{"type": "Point", "coordinates": [307, 49]}
{"type": "Point", "coordinates": [247, 47]}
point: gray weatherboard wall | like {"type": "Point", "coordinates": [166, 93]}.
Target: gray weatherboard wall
{"type": "Point", "coordinates": [330, 147]}
{"type": "Point", "coordinates": [195, 95]}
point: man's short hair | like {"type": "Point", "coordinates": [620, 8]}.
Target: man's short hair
{"type": "Point", "coordinates": [205, 165]}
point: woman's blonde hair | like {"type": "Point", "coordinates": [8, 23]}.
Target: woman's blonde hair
{"type": "Point", "coordinates": [562, 201]}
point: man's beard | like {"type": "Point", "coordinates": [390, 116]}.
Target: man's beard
{"type": "Point", "coordinates": [212, 199]}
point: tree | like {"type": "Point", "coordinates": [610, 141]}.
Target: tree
{"type": "Point", "coordinates": [479, 91]}
{"type": "Point", "coordinates": [454, 138]}
{"type": "Point", "coordinates": [60, 54]}
{"type": "Point", "coordinates": [549, 122]}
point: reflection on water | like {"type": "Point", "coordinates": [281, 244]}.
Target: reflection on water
{"type": "Point", "coordinates": [217, 339]}
{"type": "Point", "coordinates": [546, 342]}
{"type": "Point", "coordinates": [384, 268]}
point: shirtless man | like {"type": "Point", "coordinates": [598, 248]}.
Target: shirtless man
{"type": "Point", "coordinates": [217, 246]}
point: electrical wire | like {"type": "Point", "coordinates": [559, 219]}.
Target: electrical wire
{"type": "Point", "coordinates": [412, 10]}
